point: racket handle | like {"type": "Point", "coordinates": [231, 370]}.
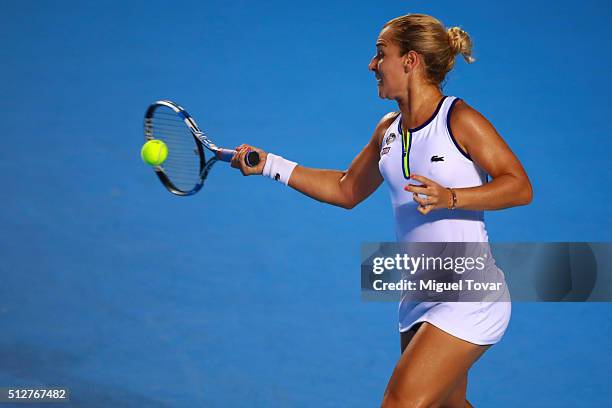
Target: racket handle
{"type": "Point", "coordinates": [251, 159]}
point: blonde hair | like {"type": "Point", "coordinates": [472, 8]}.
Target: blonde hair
{"type": "Point", "coordinates": [437, 45]}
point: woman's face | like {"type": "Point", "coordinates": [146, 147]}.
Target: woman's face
{"type": "Point", "coordinates": [388, 66]}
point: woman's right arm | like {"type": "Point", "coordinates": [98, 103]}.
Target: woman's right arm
{"type": "Point", "coordinates": [344, 189]}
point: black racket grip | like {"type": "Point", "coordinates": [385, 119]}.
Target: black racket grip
{"type": "Point", "coordinates": [252, 158]}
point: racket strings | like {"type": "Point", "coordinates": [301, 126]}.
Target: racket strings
{"type": "Point", "coordinates": [183, 166]}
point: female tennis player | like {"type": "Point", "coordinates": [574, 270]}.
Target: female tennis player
{"type": "Point", "coordinates": [435, 154]}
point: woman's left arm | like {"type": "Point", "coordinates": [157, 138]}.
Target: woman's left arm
{"type": "Point", "coordinates": [510, 186]}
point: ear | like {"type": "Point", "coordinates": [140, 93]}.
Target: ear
{"type": "Point", "coordinates": [411, 61]}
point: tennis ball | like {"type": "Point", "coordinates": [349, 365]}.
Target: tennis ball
{"type": "Point", "coordinates": [154, 152]}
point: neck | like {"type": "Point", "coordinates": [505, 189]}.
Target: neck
{"type": "Point", "coordinates": [418, 104]}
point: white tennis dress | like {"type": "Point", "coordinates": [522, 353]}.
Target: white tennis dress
{"type": "Point", "coordinates": [434, 153]}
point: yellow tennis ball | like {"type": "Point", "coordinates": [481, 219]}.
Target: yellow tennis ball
{"type": "Point", "coordinates": [154, 152]}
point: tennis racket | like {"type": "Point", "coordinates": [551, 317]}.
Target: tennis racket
{"type": "Point", "coordinates": [186, 167]}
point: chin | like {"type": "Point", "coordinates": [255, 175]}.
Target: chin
{"type": "Point", "coordinates": [383, 94]}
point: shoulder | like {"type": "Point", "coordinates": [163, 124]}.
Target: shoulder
{"type": "Point", "coordinates": [464, 117]}
{"type": "Point", "coordinates": [466, 123]}
{"type": "Point", "coordinates": [388, 119]}
{"type": "Point", "coordinates": [383, 125]}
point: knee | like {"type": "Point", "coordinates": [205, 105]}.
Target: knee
{"type": "Point", "coordinates": [409, 400]}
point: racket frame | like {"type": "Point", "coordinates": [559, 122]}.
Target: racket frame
{"type": "Point", "coordinates": [200, 139]}
{"type": "Point", "coordinates": [251, 159]}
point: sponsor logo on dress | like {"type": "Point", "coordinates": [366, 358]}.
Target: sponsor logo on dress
{"type": "Point", "coordinates": [390, 138]}
{"type": "Point", "coordinates": [436, 158]}
{"type": "Point", "coordinates": [385, 150]}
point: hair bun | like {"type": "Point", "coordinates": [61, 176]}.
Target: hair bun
{"type": "Point", "coordinates": [460, 43]}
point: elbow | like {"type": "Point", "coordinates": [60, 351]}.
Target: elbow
{"type": "Point", "coordinates": [526, 194]}
{"type": "Point", "coordinates": [349, 202]}
{"type": "Point", "coordinates": [529, 194]}
{"type": "Point", "coordinates": [348, 205]}
{"type": "Point", "coordinates": [518, 191]}
{"type": "Point", "coordinates": [347, 199]}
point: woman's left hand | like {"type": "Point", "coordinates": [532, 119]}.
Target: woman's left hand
{"type": "Point", "coordinates": [436, 195]}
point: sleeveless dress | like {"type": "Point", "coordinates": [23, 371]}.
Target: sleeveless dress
{"type": "Point", "coordinates": [430, 150]}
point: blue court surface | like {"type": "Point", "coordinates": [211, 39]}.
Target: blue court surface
{"type": "Point", "coordinates": [247, 294]}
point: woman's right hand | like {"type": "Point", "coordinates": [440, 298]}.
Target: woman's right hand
{"type": "Point", "coordinates": [239, 163]}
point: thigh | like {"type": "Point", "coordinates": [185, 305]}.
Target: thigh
{"type": "Point", "coordinates": [432, 367]}
{"type": "Point", "coordinates": [406, 337]}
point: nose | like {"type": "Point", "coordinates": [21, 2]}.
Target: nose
{"type": "Point", "coordinates": [372, 64]}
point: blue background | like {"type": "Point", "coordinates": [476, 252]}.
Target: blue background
{"type": "Point", "coordinates": [247, 294]}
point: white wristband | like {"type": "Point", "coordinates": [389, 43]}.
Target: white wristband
{"type": "Point", "coordinates": [278, 168]}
